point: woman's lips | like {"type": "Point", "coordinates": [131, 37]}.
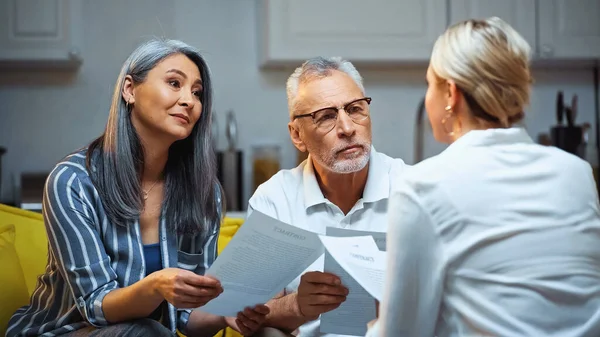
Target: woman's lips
{"type": "Point", "coordinates": [181, 118]}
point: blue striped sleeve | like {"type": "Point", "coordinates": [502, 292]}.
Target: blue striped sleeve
{"type": "Point", "coordinates": [73, 233]}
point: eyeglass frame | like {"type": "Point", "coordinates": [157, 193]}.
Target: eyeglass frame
{"type": "Point", "coordinates": [337, 109]}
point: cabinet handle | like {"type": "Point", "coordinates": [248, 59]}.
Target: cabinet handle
{"type": "Point", "coordinates": [75, 55]}
{"type": "Point", "coordinates": [547, 51]}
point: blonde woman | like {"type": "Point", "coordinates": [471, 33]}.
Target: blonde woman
{"type": "Point", "coordinates": [496, 236]}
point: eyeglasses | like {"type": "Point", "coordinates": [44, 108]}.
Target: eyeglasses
{"type": "Point", "coordinates": [326, 118]}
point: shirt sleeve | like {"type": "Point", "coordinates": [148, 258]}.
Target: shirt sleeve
{"type": "Point", "coordinates": [261, 201]}
{"type": "Point", "coordinates": [75, 244]}
{"type": "Point", "coordinates": [413, 284]}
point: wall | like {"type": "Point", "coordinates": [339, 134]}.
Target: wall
{"type": "Point", "coordinates": [44, 116]}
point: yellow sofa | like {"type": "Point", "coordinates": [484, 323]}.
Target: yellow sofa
{"type": "Point", "coordinates": [23, 256]}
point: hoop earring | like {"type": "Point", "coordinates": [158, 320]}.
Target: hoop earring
{"type": "Point", "coordinates": [446, 118]}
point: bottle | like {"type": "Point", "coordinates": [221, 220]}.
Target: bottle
{"type": "Point", "coordinates": [265, 160]}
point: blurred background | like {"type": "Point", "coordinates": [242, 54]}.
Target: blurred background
{"type": "Point", "coordinates": [59, 60]}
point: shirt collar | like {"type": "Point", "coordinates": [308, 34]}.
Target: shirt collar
{"type": "Point", "coordinates": [376, 188]}
{"type": "Point", "coordinates": [489, 137]}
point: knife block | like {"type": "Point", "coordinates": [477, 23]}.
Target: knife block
{"type": "Point", "coordinates": [230, 174]}
{"type": "Point", "coordinates": [569, 139]}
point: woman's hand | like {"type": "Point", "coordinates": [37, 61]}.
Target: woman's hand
{"type": "Point", "coordinates": [249, 321]}
{"type": "Point", "coordinates": [185, 289]}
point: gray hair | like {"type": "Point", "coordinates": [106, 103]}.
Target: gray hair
{"type": "Point", "coordinates": [115, 159]}
{"type": "Point", "coordinates": [318, 67]}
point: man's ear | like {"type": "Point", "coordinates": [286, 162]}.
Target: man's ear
{"type": "Point", "coordinates": [128, 87]}
{"type": "Point", "coordinates": [295, 136]}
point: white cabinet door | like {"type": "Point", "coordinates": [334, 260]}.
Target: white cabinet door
{"type": "Point", "coordinates": [569, 29]}
{"type": "Point", "coordinates": [520, 14]}
{"type": "Point", "coordinates": [375, 31]}
{"type": "Point", "coordinates": [40, 33]}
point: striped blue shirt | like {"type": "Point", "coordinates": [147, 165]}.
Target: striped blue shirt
{"type": "Point", "coordinates": [88, 257]}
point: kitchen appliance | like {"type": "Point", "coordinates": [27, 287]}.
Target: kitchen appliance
{"type": "Point", "coordinates": [2, 152]}
{"type": "Point", "coordinates": [229, 163]}
{"type": "Point", "coordinates": [568, 136]}
{"type": "Point", "coordinates": [419, 133]}
{"type": "Point", "coordinates": [31, 193]}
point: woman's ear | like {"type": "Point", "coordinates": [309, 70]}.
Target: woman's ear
{"type": "Point", "coordinates": [451, 93]}
{"type": "Point", "coordinates": [295, 136]}
{"type": "Point", "coordinates": [128, 87]}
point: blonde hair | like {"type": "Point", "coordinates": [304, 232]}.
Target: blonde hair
{"type": "Point", "coordinates": [489, 62]}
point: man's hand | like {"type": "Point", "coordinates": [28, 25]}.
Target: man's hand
{"type": "Point", "coordinates": [248, 321]}
{"type": "Point", "coordinates": [319, 293]}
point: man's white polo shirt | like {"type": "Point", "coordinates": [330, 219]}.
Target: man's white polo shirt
{"type": "Point", "coordinates": [294, 197]}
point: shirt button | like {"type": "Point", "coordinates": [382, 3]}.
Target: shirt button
{"type": "Point", "coordinates": [164, 238]}
{"type": "Point", "coordinates": [81, 302]}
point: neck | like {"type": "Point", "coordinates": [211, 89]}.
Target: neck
{"type": "Point", "coordinates": [342, 189]}
{"type": "Point", "coordinates": [466, 123]}
{"type": "Point", "coordinates": [154, 164]}
{"type": "Point", "coordinates": [156, 154]}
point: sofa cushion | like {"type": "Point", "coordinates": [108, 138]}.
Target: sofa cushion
{"type": "Point", "coordinates": [31, 241]}
{"type": "Point", "coordinates": [14, 289]}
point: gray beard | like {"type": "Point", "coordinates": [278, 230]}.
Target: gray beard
{"type": "Point", "coordinates": [346, 165]}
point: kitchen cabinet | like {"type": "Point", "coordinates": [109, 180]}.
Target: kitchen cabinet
{"type": "Point", "coordinates": [403, 32]}
{"type": "Point", "coordinates": [555, 29]}
{"type": "Point", "coordinates": [520, 14]}
{"type": "Point", "coordinates": [569, 29]}
{"type": "Point", "coordinates": [40, 33]}
{"type": "Point", "coordinates": [291, 31]}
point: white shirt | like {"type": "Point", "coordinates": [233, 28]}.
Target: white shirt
{"type": "Point", "coordinates": [294, 197]}
{"type": "Point", "coordinates": [496, 236]}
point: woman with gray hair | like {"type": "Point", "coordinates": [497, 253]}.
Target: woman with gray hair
{"type": "Point", "coordinates": [497, 235]}
{"type": "Point", "coordinates": [133, 219]}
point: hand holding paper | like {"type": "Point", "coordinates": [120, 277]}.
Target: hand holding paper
{"type": "Point", "coordinates": [320, 292]}
{"type": "Point", "coordinates": [248, 321]}
{"type": "Point", "coordinates": [185, 289]}
{"type": "Point", "coordinates": [352, 316]}
{"type": "Point", "coordinates": [360, 257]}
{"type": "Point", "coordinates": [262, 258]}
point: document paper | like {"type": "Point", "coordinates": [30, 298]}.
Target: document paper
{"type": "Point", "coordinates": [352, 316]}
{"type": "Point", "coordinates": [262, 258]}
{"type": "Point", "coordinates": [361, 259]}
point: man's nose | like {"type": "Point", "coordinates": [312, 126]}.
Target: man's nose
{"type": "Point", "coordinates": [344, 124]}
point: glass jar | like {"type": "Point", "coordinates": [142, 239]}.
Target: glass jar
{"type": "Point", "coordinates": [265, 163]}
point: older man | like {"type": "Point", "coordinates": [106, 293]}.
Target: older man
{"type": "Point", "coordinates": [344, 183]}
